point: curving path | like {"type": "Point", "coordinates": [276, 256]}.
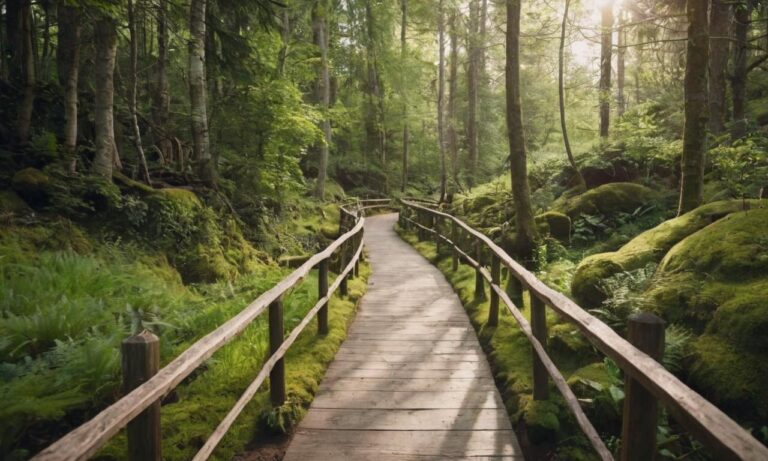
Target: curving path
{"type": "Point", "coordinates": [410, 382]}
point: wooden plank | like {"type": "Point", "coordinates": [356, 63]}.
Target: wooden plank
{"type": "Point", "coordinates": [407, 420]}
{"type": "Point", "coordinates": [399, 445]}
{"type": "Point", "coordinates": [707, 422]}
{"type": "Point", "coordinates": [414, 400]}
{"type": "Point", "coordinates": [479, 366]}
{"type": "Point", "coordinates": [408, 384]}
{"type": "Point", "coordinates": [413, 374]}
{"type": "Point", "coordinates": [427, 357]}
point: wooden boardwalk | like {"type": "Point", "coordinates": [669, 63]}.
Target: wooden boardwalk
{"type": "Point", "coordinates": [410, 382]}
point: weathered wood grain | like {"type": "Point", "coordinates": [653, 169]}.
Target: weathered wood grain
{"type": "Point", "coordinates": [411, 381]}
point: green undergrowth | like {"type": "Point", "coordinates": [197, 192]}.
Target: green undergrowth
{"type": "Point", "coordinates": [549, 423]}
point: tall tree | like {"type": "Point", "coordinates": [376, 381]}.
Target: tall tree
{"type": "Point", "coordinates": [133, 92]}
{"type": "Point", "coordinates": [22, 63]}
{"type": "Point", "coordinates": [524, 226]}
{"type": "Point", "coordinates": [561, 94]}
{"type": "Point", "coordinates": [606, 49]}
{"type": "Point", "coordinates": [742, 14]}
{"type": "Point", "coordinates": [322, 89]}
{"type": "Point", "coordinates": [68, 69]}
{"type": "Point", "coordinates": [105, 34]}
{"type": "Point", "coordinates": [376, 137]}
{"type": "Point", "coordinates": [441, 96]}
{"type": "Point", "coordinates": [621, 54]}
{"type": "Point", "coordinates": [719, 24]}
{"type": "Point", "coordinates": [696, 106]}
{"type": "Point", "coordinates": [473, 70]}
{"type": "Point", "coordinates": [161, 107]}
{"type": "Point", "coordinates": [197, 93]}
{"type": "Point", "coordinates": [403, 57]}
{"type": "Point", "coordinates": [453, 85]}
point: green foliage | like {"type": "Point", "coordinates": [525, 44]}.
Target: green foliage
{"type": "Point", "coordinates": [624, 296]}
{"type": "Point", "coordinates": [742, 167]}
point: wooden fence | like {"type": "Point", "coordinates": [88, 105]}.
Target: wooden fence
{"type": "Point", "coordinates": [647, 383]}
{"type": "Point", "coordinates": [145, 386]}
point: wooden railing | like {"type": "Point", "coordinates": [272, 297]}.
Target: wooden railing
{"type": "Point", "coordinates": [145, 386]}
{"type": "Point", "coordinates": [646, 381]}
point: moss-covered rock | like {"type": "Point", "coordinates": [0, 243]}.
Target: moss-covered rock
{"type": "Point", "coordinates": [32, 185]}
{"type": "Point", "coordinates": [743, 319]}
{"type": "Point", "coordinates": [650, 246]}
{"type": "Point", "coordinates": [607, 199]}
{"type": "Point", "coordinates": [557, 225]}
{"type": "Point", "coordinates": [10, 202]}
{"type": "Point", "coordinates": [541, 421]}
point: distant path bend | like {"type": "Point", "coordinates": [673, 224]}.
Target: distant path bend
{"type": "Point", "coordinates": [411, 381]}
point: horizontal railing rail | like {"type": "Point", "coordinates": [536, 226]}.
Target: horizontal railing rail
{"type": "Point", "coordinates": [87, 439]}
{"type": "Point", "coordinates": [701, 418]}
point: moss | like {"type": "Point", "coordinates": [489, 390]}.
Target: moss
{"type": "Point", "coordinates": [729, 249]}
{"type": "Point", "coordinates": [182, 197]}
{"type": "Point", "coordinates": [607, 199]}
{"type": "Point", "coordinates": [558, 225]}
{"type": "Point", "coordinates": [542, 422]}
{"type": "Point", "coordinates": [743, 319]}
{"type": "Point", "coordinates": [10, 202]}
{"type": "Point", "coordinates": [650, 246]}
{"type": "Point", "coordinates": [32, 185]}
{"type": "Point", "coordinates": [732, 378]}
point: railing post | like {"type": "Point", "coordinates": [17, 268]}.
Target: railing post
{"type": "Point", "coordinates": [514, 289]}
{"type": "Point", "coordinates": [140, 361]}
{"type": "Point", "coordinates": [358, 240]}
{"type": "Point", "coordinates": [420, 221]}
{"type": "Point", "coordinates": [479, 285]}
{"type": "Point", "coordinates": [539, 328]}
{"type": "Point", "coordinates": [638, 431]}
{"type": "Point", "coordinates": [436, 227]}
{"type": "Point", "coordinates": [493, 312]}
{"type": "Point", "coordinates": [322, 291]}
{"type": "Point", "coordinates": [276, 333]}
{"type": "Point", "coordinates": [455, 240]}
{"type": "Point", "coordinates": [344, 259]}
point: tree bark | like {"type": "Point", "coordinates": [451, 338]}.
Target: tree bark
{"type": "Point", "coordinates": [26, 71]}
{"type": "Point", "coordinates": [441, 96]}
{"type": "Point", "coordinates": [621, 53]}
{"type": "Point", "coordinates": [472, 77]}
{"type": "Point", "coordinates": [68, 68]}
{"type": "Point", "coordinates": [132, 97]}
{"type": "Point", "coordinates": [106, 48]}
{"type": "Point", "coordinates": [453, 84]}
{"type": "Point", "coordinates": [561, 94]}
{"type": "Point", "coordinates": [403, 56]}
{"type": "Point", "coordinates": [742, 14]}
{"type": "Point", "coordinates": [197, 93]}
{"type": "Point", "coordinates": [696, 105]}
{"type": "Point", "coordinates": [606, 46]}
{"type": "Point", "coordinates": [526, 232]}
{"type": "Point", "coordinates": [375, 121]}
{"type": "Point", "coordinates": [162, 96]}
{"type": "Point", "coordinates": [322, 90]}
{"type": "Point", "coordinates": [719, 22]}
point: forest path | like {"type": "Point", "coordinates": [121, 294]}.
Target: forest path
{"type": "Point", "coordinates": [411, 381]}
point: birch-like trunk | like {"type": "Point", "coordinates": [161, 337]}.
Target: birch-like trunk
{"type": "Point", "coordinates": [106, 48]}
{"type": "Point", "coordinates": [197, 93]}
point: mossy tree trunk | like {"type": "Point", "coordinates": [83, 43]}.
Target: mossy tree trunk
{"type": "Point", "coordinates": [696, 106]}
{"type": "Point", "coordinates": [561, 93]}
{"type": "Point", "coordinates": [23, 66]}
{"type": "Point", "coordinates": [322, 90]}
{"type": "Point", "coordinates": [197, 93]}
{"type": "Point", "coordinates": [133, 90]}
{"type": "Point", "coordinates": [161, 95]}
{"type": "Point", "coordinates": [106, 157]}
{"type": "Point", "coordinates": [742, 14]}
{"type": "Point", "coordinates": [68, 68]}
{"type": "Point", "coordinates": [525, 228]}
{"type": "Point", "coordinates": [719, 23]}
{"type": "Point", "coordinates": [606, 52]}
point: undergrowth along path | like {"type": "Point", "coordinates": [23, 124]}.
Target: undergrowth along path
{"type": "Point", "coordinates": [411, 381]}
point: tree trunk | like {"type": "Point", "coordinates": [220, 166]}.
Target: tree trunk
{"type": "Point", "coordinates": [526, 232]}
{"type": "Point", "coordinates": [375, 118]}
{"type": "Point", "coordinates": [132, 97]}
{"type": "Point", "coordinates": [561, 91]}
{"type": "Point", "coordinates": [621, 99]}
{"type": "Point", "coordinates": [719, 22]}
{"type": "Point", "coordinates": [26, 72]}
{"type": "Point", "coordinates": [322, 91]}
{"type": "Point", "coordinates": [106, 48]}
{"type": "Point", "coordinates": [441, 97]}
{"type": "Point", "coordinates": [606, 45]}
{"type": "Point", "coordinates": [197, 93]}
{"type": "Point", "coordinates": [162, 96]}
{"type": "Point", "coordinates": [472, 77]}
{"type": "Point", "coordinates": [68, 68]}
{"type": "Point", "coordinates": [695, 131]}
{"type": "Point", "coordinates": [742, 14]}
{"type": "Point", "coordinates": [403, 56]}
{"type": "Point", "coordinates": [453, 84]}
